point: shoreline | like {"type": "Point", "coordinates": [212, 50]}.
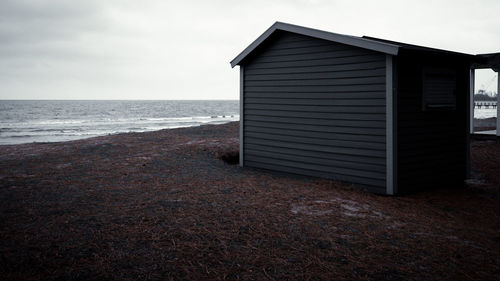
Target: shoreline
{"type": "Point", "coordinates": [74, 138]}
{"type": "Point", "coordinates": [485, 124]}
{"type": "Point", "coordinates": [163, 204]}
{"type": "Point", "coordinates": [481, 124]}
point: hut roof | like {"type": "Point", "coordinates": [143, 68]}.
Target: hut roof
{"type": "Point", "coordinates": [365, 42]}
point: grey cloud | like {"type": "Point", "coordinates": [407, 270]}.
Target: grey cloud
{"type": "Point", "coordinates": [28, 22]}
{"type": "Point", "coordinates": [155, 49]}
{"type": "Point", "coordinates": [44, 32]}
{"type": "Point", "coordinates": [33, 9]}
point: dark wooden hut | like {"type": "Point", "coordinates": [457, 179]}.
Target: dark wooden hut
{"type": "Point", "coordinates": [384, 115]}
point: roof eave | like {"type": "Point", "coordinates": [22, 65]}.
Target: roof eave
{"type": "Point", "coordinates": [491, 60]}
{"type": "Point", "coordinates": [335, 37]}
{"type": "Point", "coordinates": [418, 48]}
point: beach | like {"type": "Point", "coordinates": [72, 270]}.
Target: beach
{"type": "Point", "coordinates": [163, 205]}
{"type": "Point", "coordinates": [485, 124]}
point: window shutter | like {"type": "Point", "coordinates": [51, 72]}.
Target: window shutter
{"type": "Point", "coordinates": [439, 89]}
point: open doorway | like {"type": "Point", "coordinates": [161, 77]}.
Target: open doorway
{"type": "Point", "coordinates": [485, 106]}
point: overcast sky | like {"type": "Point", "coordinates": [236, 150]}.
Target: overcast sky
{"type": "Point", "coordinates": [160, 49]}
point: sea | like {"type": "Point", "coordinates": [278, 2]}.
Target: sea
{"type": "Point", "coordinates": [27, 121]}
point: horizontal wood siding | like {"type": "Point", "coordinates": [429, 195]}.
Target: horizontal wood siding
{"type": "Point", "coordinates": [431, 143]}
{"type": "Point", "coordinates": [316, 108]}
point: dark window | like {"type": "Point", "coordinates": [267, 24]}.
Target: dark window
{"type": "Point", "coordinates": [439, 89]}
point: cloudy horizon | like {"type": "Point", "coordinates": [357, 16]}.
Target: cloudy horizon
{"type": "Point", "coordinates": [58, 49]}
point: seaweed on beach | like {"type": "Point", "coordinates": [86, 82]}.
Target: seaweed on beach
{"type": "Point", "coordinates": [165, 205]}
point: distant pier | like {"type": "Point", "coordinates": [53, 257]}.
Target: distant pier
{"type": "Point", "coordinates": [485, 104]}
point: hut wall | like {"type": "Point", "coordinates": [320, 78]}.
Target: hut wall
{"type": "Point", "coordinates": [317, 108]}
{"type": "Point", "coordinates": [431, 143]}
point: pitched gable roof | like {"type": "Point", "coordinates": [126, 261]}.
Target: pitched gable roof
{"type": "Point", "coordinates": [369, 44]}
{"type": "Point", "coordinates": [365, 42]}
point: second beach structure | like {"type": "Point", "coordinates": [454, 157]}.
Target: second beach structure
{"type": "Point", "coordinates": [387, 116]}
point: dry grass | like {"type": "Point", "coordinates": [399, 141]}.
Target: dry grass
{"type": "Point", "coordinates": [162, 205]}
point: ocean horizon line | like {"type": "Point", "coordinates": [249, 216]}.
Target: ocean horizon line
{"type": "Point", "coordinates": [119, 99]}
